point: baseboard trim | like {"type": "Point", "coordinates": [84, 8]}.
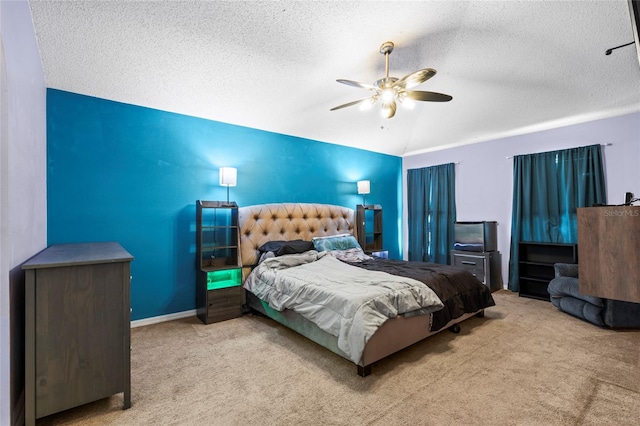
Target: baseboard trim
{"type": "Point", "coordinates": [163, 318]}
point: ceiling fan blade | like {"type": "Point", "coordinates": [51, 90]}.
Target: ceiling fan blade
{"type": "Point", "coordinates": [418, 95]}
{"type": "Point", "coordinates": [356, 84]}
{"type": "Point", "coordinates": [389, 109]}
{"type": "Point", "coordinates": [350, 104]}
{"type": "Point", "coordinates": [415, 78]}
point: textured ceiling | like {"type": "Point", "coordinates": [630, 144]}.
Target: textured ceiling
{"type": "Point", "coordinates": [511, 66]}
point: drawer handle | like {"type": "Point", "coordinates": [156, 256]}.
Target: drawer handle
{"type": "Point", "coordinates": [468, 262]}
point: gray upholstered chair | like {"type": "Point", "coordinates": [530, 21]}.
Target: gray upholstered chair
{"type": "Point", "coordinates": [566, 296]}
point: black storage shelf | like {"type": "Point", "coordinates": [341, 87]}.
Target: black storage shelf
{"type": "Point", "coordinates": [219, 295]}
{"type": "Point", "coordinates": [536, 271]}
{"type": "Point", "coordinates": [218, 268]}
{"type": "Point", "coordinates": [534, 288]}
{"type": "Point", "coordinates": [369, 227]}
{"type": "Point", "coordinates": [535, 266]}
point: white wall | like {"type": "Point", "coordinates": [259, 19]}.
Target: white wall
{"type": "Point", "coordinates": [23, 192]}
{"type": "Point", "coordinates": [484, 174]}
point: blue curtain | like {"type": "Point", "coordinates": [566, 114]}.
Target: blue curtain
{"type": "Point", "coordinates": [431, 200]}
{"type": "Point", "coordinates": [547, 190]}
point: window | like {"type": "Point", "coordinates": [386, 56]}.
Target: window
{"type": "Point", "coordinates": [432, 212]}
{"type": "Point", "coordinates": [547, 190]}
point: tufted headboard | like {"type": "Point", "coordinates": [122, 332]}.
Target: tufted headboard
{"type": "Point", "coordinates": [289, 221]}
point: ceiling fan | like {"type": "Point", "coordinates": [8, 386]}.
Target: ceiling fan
{"type": "Point", "coordinates": [390, 91]}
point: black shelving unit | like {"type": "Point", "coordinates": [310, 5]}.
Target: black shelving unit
{"type": "Point", "coordinates": [535, 266]}
{"type": "Point", "coordinates": [219, 295]}
{"type": "Point", "coordinates": [369, 227]}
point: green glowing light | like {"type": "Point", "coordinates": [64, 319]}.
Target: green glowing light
{"type": "Point", "coordinates": [224, 278]}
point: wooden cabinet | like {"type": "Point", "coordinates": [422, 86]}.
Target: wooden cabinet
{"type": "Point", "coordinates": [77, 327]}
{"type": "Point", "coordinates": [369, 227]}
{"type": "Point", "coordinates": [219, 295]}
{"type": "Point", "coordinates": [609, 252]}
{"type": "Point", "coordinates": [485, 266]}
{"type": "Point", "coordinates": [535, 266]}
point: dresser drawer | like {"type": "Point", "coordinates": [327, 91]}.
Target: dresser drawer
{"type": "Point", "coordinates": [224, 303]}
{"type": "Point", "coordinates": [473, 264]}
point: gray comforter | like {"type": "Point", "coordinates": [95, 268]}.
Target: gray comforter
{"type": "Point", "coordinates": [345, 301]}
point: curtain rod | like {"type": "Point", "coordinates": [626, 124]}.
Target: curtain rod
{"type": "Point", "coordinates": [602, 144]}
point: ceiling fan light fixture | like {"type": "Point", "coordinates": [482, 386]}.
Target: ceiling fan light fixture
{"type": "Point", "coordinates": [407, 103]}
{"type": "Point", "coordinates": [368, 104]}
{"type": "Point", "coordinates": [391, 90]}
{"type": "Point", "coordinates": [387, 95]}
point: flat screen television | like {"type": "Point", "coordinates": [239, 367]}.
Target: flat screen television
{"type": "Point", "coordinates": [475, 236]}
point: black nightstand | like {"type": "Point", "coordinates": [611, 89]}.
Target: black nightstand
{"type": "Point", "coordinates": [219, 294]}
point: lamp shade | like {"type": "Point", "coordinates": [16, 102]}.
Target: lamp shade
{"type": "Point", "coordinates": [364, 187]}
{"type": "Point", "coordinates": [228, 176]}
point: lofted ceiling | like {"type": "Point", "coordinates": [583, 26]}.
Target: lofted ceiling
{"type": "Point", "coordinates": [511, 66]}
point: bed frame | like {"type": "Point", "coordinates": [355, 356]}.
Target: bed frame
{"type": "Point", "coordinates": [259, 224]}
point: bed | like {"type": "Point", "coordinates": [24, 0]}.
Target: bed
{"type": "Point", "coordinates": [264, 228]}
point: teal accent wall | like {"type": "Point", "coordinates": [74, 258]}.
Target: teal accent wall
{"type": "Point", "coordinates": [119, 172]}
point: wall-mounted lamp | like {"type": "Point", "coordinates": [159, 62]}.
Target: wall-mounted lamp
{"type": "Point", "coordinates": [364, 187]}
{"type": "Point", "coordinates": [228, 177]}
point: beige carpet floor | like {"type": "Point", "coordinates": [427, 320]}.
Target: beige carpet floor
{"type": "Point", "coordinates": [524, 363]}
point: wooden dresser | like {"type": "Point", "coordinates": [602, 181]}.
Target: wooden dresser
{"type": "Point", "coordinates": [609, 252]}
{"type": "Point", "coordinates": [77, 327]}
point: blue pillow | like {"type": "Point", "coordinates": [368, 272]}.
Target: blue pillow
{"type": "Point", "coordinates": [336, 242]}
